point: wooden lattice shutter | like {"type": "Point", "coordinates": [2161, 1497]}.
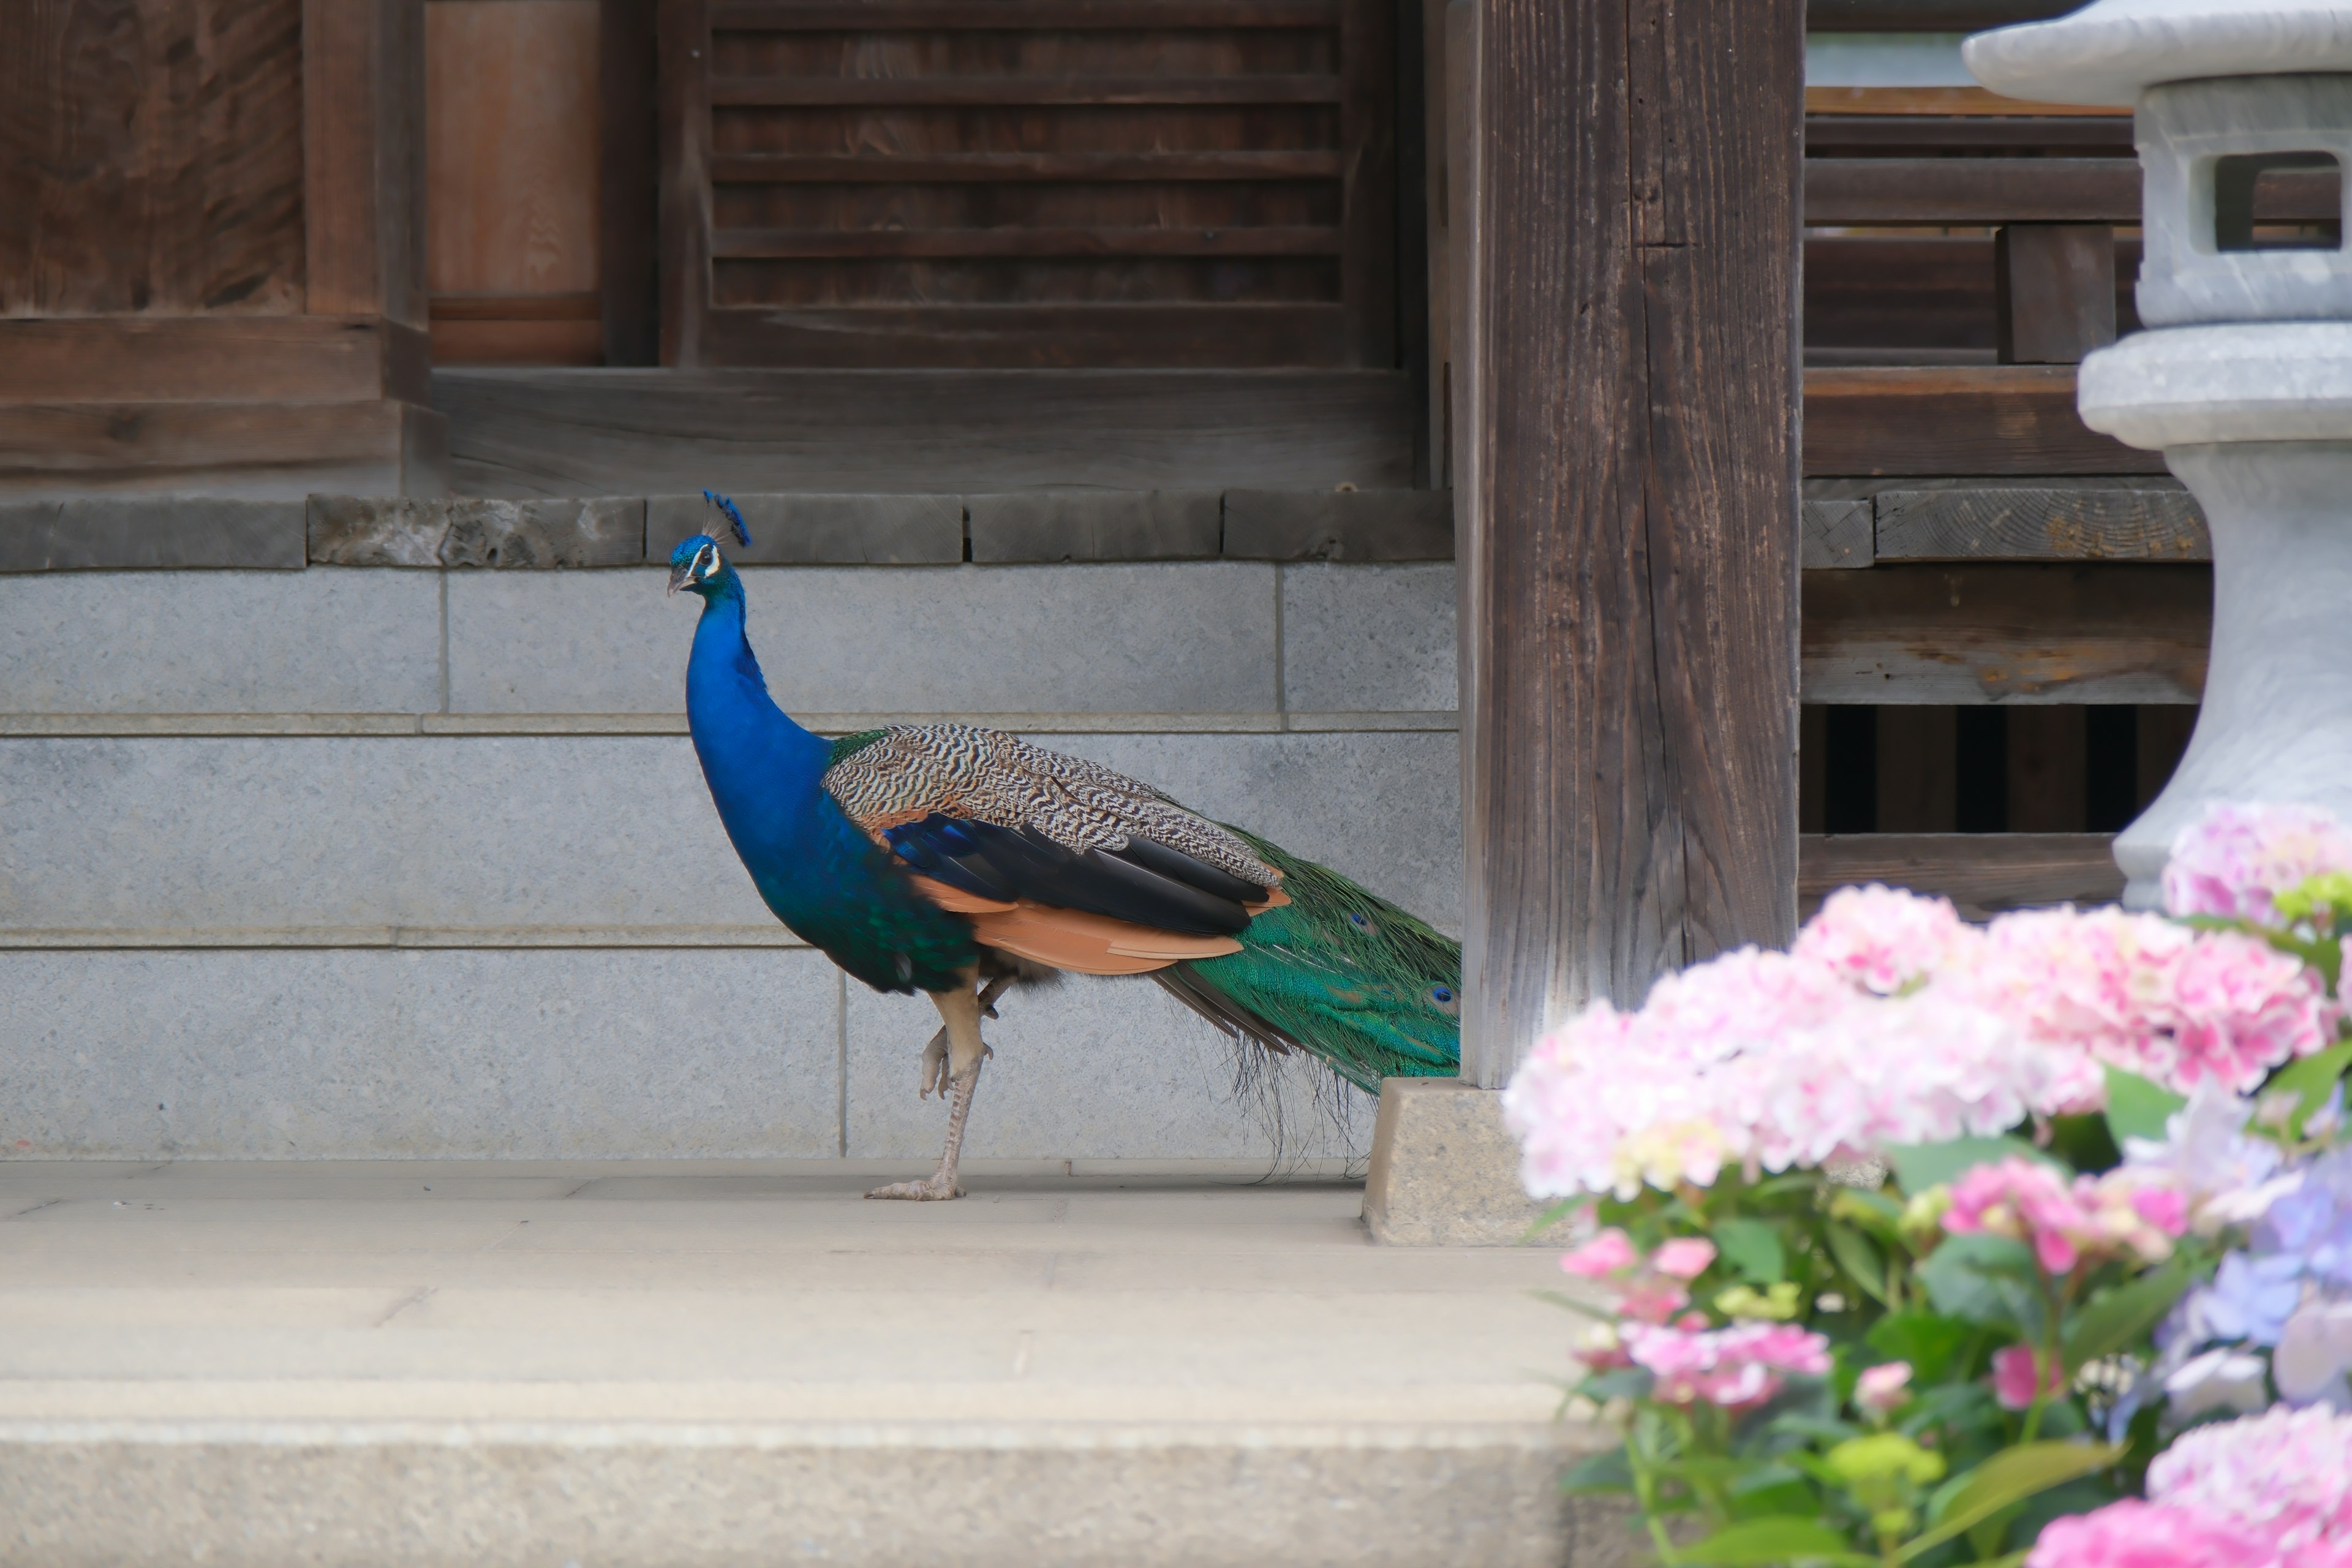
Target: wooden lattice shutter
{"type": "Point", "coordinates": [1085, 182]}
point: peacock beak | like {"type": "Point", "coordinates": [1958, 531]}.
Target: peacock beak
{"type": "Point", "coordinates": [681, 576]}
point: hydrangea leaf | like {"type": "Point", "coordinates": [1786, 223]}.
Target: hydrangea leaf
{"type": "Point", "coordinates": [1752, 1248]}
{"type": "Point", "coordinates": [1775, 1539]}
{"type": "Point", "coordinates": [1919, 1166]}
{"type": "Point", "coordinates": [2310, 1081]}
{"type": "Point", "coordinates": [1985, 1280]}
{"type": "Point", "coordinates": [2010, 1477]}
{"type": "Point", "coordinates": [2137, 1108]}
{"type": "Point", "coordinates": [2117, 1320]}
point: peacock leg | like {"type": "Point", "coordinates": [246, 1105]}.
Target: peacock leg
{"type": "Point", "coordinates": [960, 1010]}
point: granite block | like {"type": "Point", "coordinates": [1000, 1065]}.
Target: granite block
{"type": "Point", "coordinates": [1340, 525]}
{"type": "Point", "coordinates": [1095, 525]}
{"type": "Point", "coordinates": [1142, 638]}
{"type": "Point", "coordinates": [816, 530]}
{"type": "Point", "coordinates": [401, 530]}
{"type": "Point", "coordinates": [1835, 534]}
{"type": "Point", "coordinates": [384, 1055]}
{"type": "Point", "coordinates": [262, 834]}
{"type": "Point", "coordinates": [1444, 1171]}
{"type": "Point", "coordinates": [324, 640]}
{"type": "Point", "coordinates": [135, 534]}
{"type": "Point", "coordinates": [1092, 1067]}
{"type": "Point", "coordinates": [1368, 638]}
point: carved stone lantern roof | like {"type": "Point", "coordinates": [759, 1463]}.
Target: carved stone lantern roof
{"type": "Point", "coordinates": [2112, 50]}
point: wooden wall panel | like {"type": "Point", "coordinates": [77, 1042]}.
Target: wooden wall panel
{"type": "Point", "coordinates": [364, 158]}
{"type": "Point", "coordinates": [150, 156]}
{"type": "Point", "coordinates": [514, 163]}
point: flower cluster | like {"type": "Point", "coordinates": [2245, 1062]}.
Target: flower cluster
{"type": "Point", "coordinates": [2135, 1210]}
{"type": "Point", "coordinates": [2170, 1003]}
{"type": "Point", "coordinates": [1736, 1367]}
{"type": "Point", "coordinates": [2237, 859]}
{"type": "Point", "coordinates": [2268, 1492]}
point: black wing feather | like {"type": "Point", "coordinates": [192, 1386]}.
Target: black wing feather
{"type": "Point", "coordinates": [993, 862]}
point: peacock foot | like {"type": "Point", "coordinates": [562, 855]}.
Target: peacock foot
{"type": "Point", "coordinates": [932, 1189]}
{"type": "Point", "coordinates": [932, 1074]}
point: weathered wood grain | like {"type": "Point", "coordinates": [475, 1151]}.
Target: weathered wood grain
{"type": "Point", "coordinates": [1984, 873]}
{"type": "Point", "coordinates": [255, 449]}
{"type": "Point", "coordinates": [683, 156]}
{"type": "Point", "coordinates": [364, 158]}
{"type": "Point", "coordinates": [1927, 16]}
{"type": "Point", "coordinates": [2034, 524]}
{"type": "Point", "coordinates": [1834, 535]}
{"type": "Point", "coordinates": [1939, 190]}
{"type": "Point", "coordinates": [2025, 634]}
{"type": "Point", "coordinates": [2004, 419]}
{"type": "Point", "coordinates": [520, 433]}
{"type": "Point", "coordinates": [2053, 291]}
{"type": "Point", "coordinates": [150, 157]}
{"type": "Point", "coordinates": [1057, 15]}
{"type": "Point", "coordinates": [1630, 777]}
{"type": "Point", "coordinates": [513, 153]}
{"type": "Point", "coordinates": [2081, 134]}
{"type": "Point", "coordinates": [176, 359]}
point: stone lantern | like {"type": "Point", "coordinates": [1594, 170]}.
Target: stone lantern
{"type": "Point", "coordinates": [2244, 376]}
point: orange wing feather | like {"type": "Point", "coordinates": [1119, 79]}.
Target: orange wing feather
{"type": "Point", "coordinates": [1072, 940]}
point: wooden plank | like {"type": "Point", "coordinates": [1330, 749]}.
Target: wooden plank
{"type": "Point", "coordinates": [1834, 535]}
{"type": "Point", "coordinates": [1945, 101]}
{"type": "Point", "coordinates": [151, 158]}
{"type": "Point", "coordinates": [628, 216]}
{"type": "Point", "coordinates": [1927, 16]}
{"type": "Point", "coordinates": [2040, 524]}
{"type": "Point", "coordinates": [2021, 634]}
{"type": "Point", "coordinates": [1630, 779]}
{"type": "Point", "coordinates": [263, 450]}
{"type": "Point", "coordinates": [728, 243]}
{"type": "Point", "coordinates": [1025, 91]}
{"type": "Point", "coordinates": [219, 358]}
{"type": "Point", "coordinates": [364, 158]}
{"type": "Point", "coordinates": [935, 168]}
{"type": "Point", "coordinates": [1367, 195]}
{"type": "Point", "coordinates": [1982, 873]}
{"type": "Point", "coordinates": [519, 433]}
{"type": "Point", "coordinates": [2049, 769]}
{"type": "Point", "coordinates": [948, 15]}
{"type": "Point", "coordinates": [582, 307]}
{"type": "Point", "coordinates": [512, 151]}
{"type": "Point", "coordinates": [1918, 770]}
{"type": "Point", "coordinates": [2008, 419]}
{"type": "Point", "coordinates": [2054, 289]}
{"type": "Point", "coordinates": [685, 180]}
{"type": "Point", "coordinates": [977, 337]}
{"type": "Point", "coordinates": [1881, 192]}
{"type": "Point", "coordinates": [1878, 133]}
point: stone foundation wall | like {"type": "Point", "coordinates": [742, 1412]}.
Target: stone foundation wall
{"type": "Point", "coordinates": [358, 862]}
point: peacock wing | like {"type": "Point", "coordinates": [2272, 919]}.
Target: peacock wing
{"type": "Point", "coordinates": [997, 818]}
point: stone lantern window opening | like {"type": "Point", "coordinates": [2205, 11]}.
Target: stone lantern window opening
{"type": "Point", "coordinates": [2252, 208]}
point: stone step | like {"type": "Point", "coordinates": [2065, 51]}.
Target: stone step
{"type": "Point", "coordinates": [492, 1363]}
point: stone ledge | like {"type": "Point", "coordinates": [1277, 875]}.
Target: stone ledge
{"type": "Point", "coordinates": [1340, 525]}
{"type": "Point", "coordinates": [148, 533]}
{"type": "Point", "coordinates": [401, 530]}
{"type": "Point", "coordinates": [1095, 525]}
{"type": "Point", "coordinates": [1445, 1173]}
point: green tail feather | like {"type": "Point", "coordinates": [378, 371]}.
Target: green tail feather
{"type": "Point", "coordinates": [1339, 973]}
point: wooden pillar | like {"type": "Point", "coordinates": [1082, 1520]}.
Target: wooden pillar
{"type": "Point", "coordinates": [212, 250]}
{"type": "Point", "coordinates": [1627, 495]}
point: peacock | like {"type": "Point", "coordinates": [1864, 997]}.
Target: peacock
{"type": "Point", "coordinates": [960, 861]}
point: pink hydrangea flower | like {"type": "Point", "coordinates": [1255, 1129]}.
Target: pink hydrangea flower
{"type": "Point", "coordinates": [2136, 1534]}
{"type": "Point", "coordinates": [2237, 857]}
{"type": "Point", "coordinates": [1883, 1389]}
{"type": "Point", "coordinates": [1607, 1251]}
{"type": "Point", "coordinates": [2139, 1209]}
{"type": "Point", "coordinates": [1741, 1365]}
{"type": "Point", "coordinates": [2286, 1474]}
{"type": "Point", "coordinates": [1684, 1258]}
{"type": "Point", "coordinates": [2019, 1375]}
{"type": "Point", "coordinates": [1882, 939]}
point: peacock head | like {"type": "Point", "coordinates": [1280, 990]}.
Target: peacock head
{"type": "Point", "coordinates": [696, 564]}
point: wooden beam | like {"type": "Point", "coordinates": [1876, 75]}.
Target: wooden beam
{"type": "Point", "coordinates": [2053, 290]}
{"type": "Point", "coordinates": [1003, 15]}
{"type": "Point", "coordinates": [1927, 16]}
{"type": "Point", "coordinates": [1019, 91]}
{"type": "Point", "coordinates": [2007, 634]}
{"type": "Point", "coordinates": [2006, 419]}
{"type": "Point", "coordinates": [222, 358]}
{"type": "Point", "coordinates": [364, 158]}
{"type": "Point", "coordinates": [2019, 523]}
{"type": "Point", "coordinates": [1937, 192]}
{"type": "Point", "coordinates": [1012, 168]}
{"type": "Point", "coordinates": [1984, 873]}
{"type": "Point", "coordinates": [628, 215]}
{"type": "Point", "coordinates": [813, 243]}
{"type": "Point", "coordinates": [1879, 133]}
{"type": "Point", "coordinates": [1630, 779]}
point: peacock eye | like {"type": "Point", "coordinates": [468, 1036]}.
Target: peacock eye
{"type": "Point", "coordinates": [1360, 922]}
{"type": "Point", "coordinates": [1446, 999]}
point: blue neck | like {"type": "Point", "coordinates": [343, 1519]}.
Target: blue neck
{"type": "Point", "coordinates": [747, 744]}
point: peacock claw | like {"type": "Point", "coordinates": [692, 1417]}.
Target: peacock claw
{"type": "Point", "coordinates": [933, 1189]}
